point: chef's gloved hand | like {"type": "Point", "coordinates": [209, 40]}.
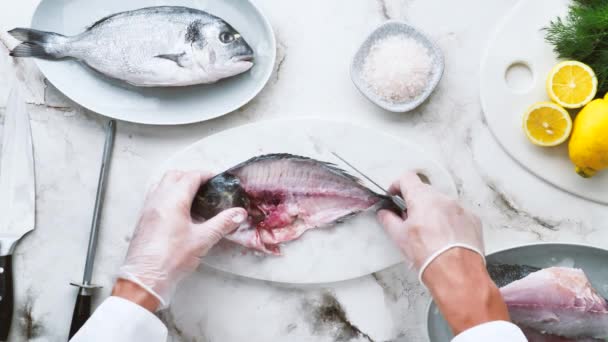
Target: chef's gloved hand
{"type": "Point", "coordinates": [434, 224]}
{"type": "Point", "coordinates": [444, 243]}
{"type": "Point", "coordinates": [167, 244]}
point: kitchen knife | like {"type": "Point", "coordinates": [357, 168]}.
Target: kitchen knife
{"type": "Point", "coordinates": [82, 309]}
{"type": "Point", "coordinates": [397, 200]}
{"type": "Point", "coordinates": [17, 196]}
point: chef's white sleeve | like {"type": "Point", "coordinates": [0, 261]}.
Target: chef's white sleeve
{"type": "Point", "coordinates": [498, 331]}
{"type": "Point", "coordinates": [119, 320]}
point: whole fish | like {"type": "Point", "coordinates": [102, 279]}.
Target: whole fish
{"type": "Point", "coordinates": [285, 195]}
{"type": "Point", "coordinates": [160, 46]}
{"type": "Point", "coordinates": [558, 301]}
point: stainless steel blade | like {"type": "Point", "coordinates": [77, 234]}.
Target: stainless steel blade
{"type": "Point", "coordinates": [398, 201]}
{"type": "Point", "coordinates": [17, 178]}
{"type": "Point", "coordinates": [361, 173]}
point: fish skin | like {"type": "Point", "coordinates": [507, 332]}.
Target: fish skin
{"type": "Point", "coordinates": [558, 301]}
{"type": "Point", "coordinates": [504, 274]}
{"type": "Point", "coordinates": [159, 46]}
{"type": "Point", "coordinates": [285, 195]}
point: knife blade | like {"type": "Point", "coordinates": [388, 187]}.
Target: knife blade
{"type": "Point", "coordinates": [17, 196]}
{"type": "Point", "coordinates": [397, 200]}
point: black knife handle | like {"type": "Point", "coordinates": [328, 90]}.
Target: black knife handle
{"type": "Point", "coordinates": [6, 296]}
{"type": "Point", "coordinates": [82, 312]}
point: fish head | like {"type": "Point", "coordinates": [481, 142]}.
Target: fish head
{"type": "Point", "coordinates": [221, 50]}
{"type": "Point", "coordinates": [221, 192]}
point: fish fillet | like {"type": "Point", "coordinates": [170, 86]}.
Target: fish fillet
{"type": "Point", "coordinates": [558, 301]}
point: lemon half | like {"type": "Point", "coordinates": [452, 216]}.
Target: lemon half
{"type": "Point", "coordinates": [572, 84]}
{"type": "Point", "coordinates": [547, 124]}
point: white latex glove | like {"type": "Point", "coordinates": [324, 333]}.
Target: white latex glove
{"type": "Point", "coordinates": [167, 244]}
{"type": "Point", "coordinates": [434, 224]}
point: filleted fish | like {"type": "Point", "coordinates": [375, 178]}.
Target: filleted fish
{"type": "Point", "coordinates": [553, 304]}
{"type": "Point", "coordinates": [285, 195]}
{"type": "Point", "coordinates": [160, 46]}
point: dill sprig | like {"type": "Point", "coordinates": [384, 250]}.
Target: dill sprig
{"type": "Point", "coordinates": [582, 35]}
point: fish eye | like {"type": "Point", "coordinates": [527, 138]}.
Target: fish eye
{"type": "Point", "coordinates": [226, 37]}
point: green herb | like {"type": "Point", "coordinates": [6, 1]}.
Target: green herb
{"type": "Point", "coordinates": [583, 36]}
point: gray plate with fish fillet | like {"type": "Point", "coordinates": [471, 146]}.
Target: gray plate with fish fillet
{"type": "Point", "coordinates": [153, 103]}
{"type": "Point", "coordinates": [591, 260]}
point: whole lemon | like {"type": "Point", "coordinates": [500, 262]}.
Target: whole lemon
{"type": "Point", "coordinates": [588, 146]}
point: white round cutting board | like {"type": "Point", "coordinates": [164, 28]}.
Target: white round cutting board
{"type": "Point", "coordinates": [158, 105]}
{"type": "Point", "coordinates": [352, 249]}
{"type": "Point", "coordinates": [520, 39]}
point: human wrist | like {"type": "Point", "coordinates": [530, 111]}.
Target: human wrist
{"type": "Point", "coordinates": [134, 293]}
{"type": "Point", "coordinates": [463, 290]}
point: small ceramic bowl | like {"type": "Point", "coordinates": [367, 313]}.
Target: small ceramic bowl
{"type": "Point", "coordinates": [388, 29]}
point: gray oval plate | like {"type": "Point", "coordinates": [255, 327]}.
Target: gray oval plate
{"type": "Point", "coordinates": [157, 106]}
{"type": "Point", "coordinates": [592, 260]}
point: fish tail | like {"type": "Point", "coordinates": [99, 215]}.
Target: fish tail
{"type": "Point", "coordinates": [387, 203]}
{"type": "Point", "coordinates": [38, 43]}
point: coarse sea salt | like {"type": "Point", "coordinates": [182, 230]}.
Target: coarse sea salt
{"type": "Point", "coordinates": [398, 68]}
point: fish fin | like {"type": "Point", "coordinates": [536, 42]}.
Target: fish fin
{"type": "Point", "coordinates": [98, 22]}
{"type": "Point", "coordinates": [35, 36]}
{"type": "Point", "coordinates": [37, 43]}
{"type": "Point", "coordinates": [27, 50]}
{"type": "Point", "coordinates": [386, 203]}
{"type": "Point", "coordinates": [175, 57]}
{"type": "Point", "coordinates": [146, 11]}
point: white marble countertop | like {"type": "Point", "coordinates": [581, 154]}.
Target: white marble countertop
{"type": "Point", "coordinates": [316, 41]}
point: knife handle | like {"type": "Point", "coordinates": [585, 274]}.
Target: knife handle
{"type": "Point", "coordinates": [6, 296]}
{"type": "Point", "coordinates": [82, 311]}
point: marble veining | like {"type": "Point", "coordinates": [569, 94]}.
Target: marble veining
{"type": "Point", "coordinates": [316, 41]}
{"type": "Point", "coordinates": [383, 9]}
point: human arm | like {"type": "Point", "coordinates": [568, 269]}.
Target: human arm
{"type": "Point", "coordinates": [463, 290]}
{"type": "Point", "coordinates": [121, 320]}
{"type": "Point", "coordinates": [444, 243]}
{"type": "Point", "coordinates": [166, 247]}
{"type": "Point", "coordinates": [468, 298]}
